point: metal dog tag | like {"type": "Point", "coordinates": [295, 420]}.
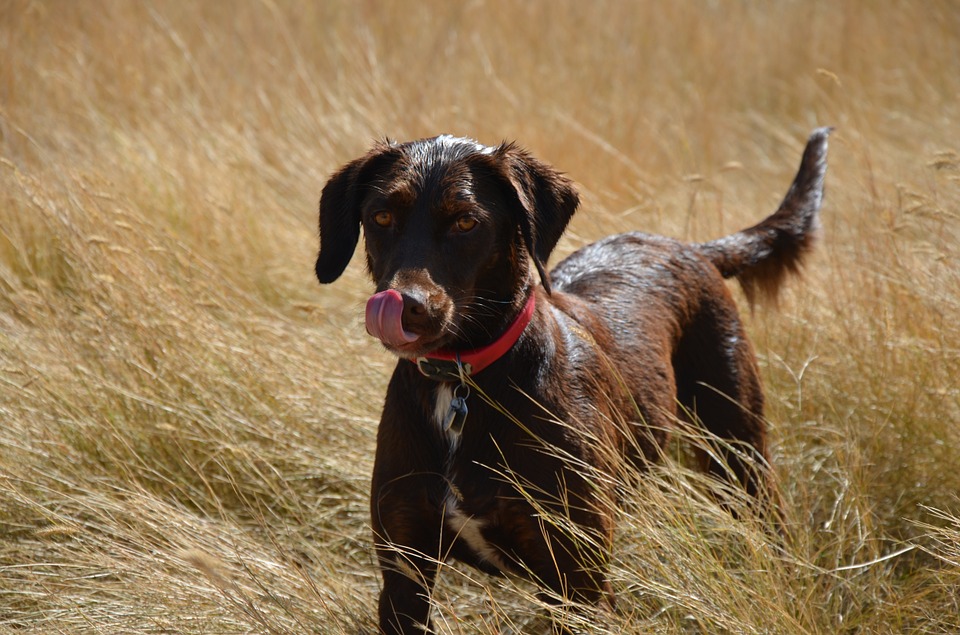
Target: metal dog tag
{"type": "Point", "coordinates": [456, 415]}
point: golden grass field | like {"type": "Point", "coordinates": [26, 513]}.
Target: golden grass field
{"type": "Point", "coordinates": [187, 418]}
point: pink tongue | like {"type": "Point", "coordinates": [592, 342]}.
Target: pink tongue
{"type": "Point", "coordinates": [384, 319]}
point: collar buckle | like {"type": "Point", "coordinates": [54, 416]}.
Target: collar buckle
{"type": "Point", "coordinates": [443, 369]}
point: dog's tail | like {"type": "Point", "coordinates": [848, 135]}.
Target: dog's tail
{"type": "Point", "coordinates": [762, 256]}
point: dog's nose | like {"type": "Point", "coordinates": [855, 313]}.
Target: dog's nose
{"type": "Point", "coordinates": [416, 315]}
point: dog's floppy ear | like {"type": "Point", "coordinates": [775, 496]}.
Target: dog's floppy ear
{"type": "Point", "coordinates": [340, 204]}
{"type": "Point", "coordinates": [547, 200]}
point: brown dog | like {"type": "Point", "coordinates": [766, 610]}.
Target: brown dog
{"type": "Point", "coordinates": [508, 395]}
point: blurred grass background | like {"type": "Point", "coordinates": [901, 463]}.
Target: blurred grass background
{"type": "Point", "coordinates": [187, 418]}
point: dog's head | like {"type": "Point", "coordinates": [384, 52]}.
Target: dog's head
{"type": "Point", "coordinates": [450, 228]}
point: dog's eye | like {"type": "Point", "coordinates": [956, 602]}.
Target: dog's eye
{"type": "Point", "coordinates": [466, 223]}
{"type": "Point", "coordinates": [383, 218]}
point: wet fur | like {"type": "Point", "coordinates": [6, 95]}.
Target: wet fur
{"type": "Point", "coordinates": [630, 335]}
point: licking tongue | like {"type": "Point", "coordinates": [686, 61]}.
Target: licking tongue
{"type": "Point", "coordinates": [384, 319]}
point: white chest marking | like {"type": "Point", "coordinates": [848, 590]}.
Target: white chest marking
{"type": "Point", "coordinates": [470, 530]}
{"type": "Point", "coordinates": [441, 406]}
{"type": "Point", "coordinates": [464, 526]}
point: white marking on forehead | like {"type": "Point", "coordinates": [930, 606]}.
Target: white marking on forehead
{"type": "Point", "coordinates": [448, 139]}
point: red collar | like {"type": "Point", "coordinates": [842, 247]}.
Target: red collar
{"type": "Point", "coordinates": [445, 364]}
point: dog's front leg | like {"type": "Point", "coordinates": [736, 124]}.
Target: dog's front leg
{"type": "Point", "coordinates": [405, 502]}
{"type": "Point", "coordinates": [405, 598]}
{"type": "Point", "coordinates": [407, 535]}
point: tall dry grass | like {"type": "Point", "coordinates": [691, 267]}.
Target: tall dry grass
{"type": "Point", "coordinates": [188, 418]}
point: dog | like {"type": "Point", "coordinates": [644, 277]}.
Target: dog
{"type": "Point", "coordinates": [515, 388]}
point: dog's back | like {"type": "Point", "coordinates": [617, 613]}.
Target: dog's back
{"type": "Point", "coordinates": [667, 322]}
